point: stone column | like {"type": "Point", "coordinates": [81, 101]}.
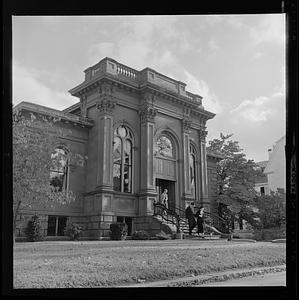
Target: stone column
{"type": "Point", "coordinates": [105, 106]}
{"type": "Point", "coordinates": [186, 124]}
{"type": "Point", "coordinates": [203, 167]}
{"type": "Point", "coordinates": [147, 185]}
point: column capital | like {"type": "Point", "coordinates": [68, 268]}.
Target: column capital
{"type": "Point", "coordinates": [203, 134]}
{"type": "Point", "coordinates": [186, 125]}
{"type": "Point", "coordinates": [106, 105]}
{"type": "Point", "coordinates": [147, 113]}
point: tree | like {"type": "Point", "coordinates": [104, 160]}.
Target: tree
{"type": "Point", "coordinates": [271, 210]}
{"type": "Point", "coordinates": [236, 178]}
{"type": "Point", "coordinates": [34, 140]}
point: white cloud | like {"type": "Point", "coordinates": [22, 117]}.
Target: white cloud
{"type": "Point", "coordinates": [28, 87]}
{"type": "Point", "coordinates": [260, 109]}
{"type": "Point", "coordinates": [270, 29]}
{"type": "Point", "coordinates": [257, 55]}
{"type": "Point", "coordinates": [198, 86]}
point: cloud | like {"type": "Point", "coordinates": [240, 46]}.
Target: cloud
{"type": "Point", "coordinates": [259, 110]}
{"type": "Point", "coordinates": [270, 29]}
{"type": "Point", "coordinates": [142, 42]}
{"type": "Point", "coordinates": [198, 86]}
{"type": "Point", "coordinates": [28, 87]}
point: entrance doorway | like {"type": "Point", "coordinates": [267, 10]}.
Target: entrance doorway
{"type": "Point", "coordinates": [162, 184]}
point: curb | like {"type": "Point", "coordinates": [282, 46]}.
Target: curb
{"type": "Point", "coordinates": [212, 277]}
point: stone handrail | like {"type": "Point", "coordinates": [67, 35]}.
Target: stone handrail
{"type": "Point", "coordinates": [126, 71]}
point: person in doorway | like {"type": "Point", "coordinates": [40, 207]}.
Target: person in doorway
{"type": "Point", "coordinates": [189, 213]}
{"type": "Point", "coordinates": [200, 222]}
{"type": "Point", "coordinates": [164, 198]}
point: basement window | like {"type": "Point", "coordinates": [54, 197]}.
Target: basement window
{"type": "Point", "coordinates": [56, 225]}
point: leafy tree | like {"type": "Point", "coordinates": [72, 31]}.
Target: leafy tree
{"type": "Point", "coordinates": [271, 210]}
{"type": "Point", "coordinates": [34, 140]}
{"type": "Point", "coordinates": [236, 178]}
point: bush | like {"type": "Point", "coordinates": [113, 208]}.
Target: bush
{"type": "Point", "coordinates": [270, 234]}
{"type": "Point", "coordinates": [140, 235]}
{"type": "Point", "coordinates": [33, 231]}
{"type": "Point", "coordinates": [73, 231]}
{"type": "Point", "coordinates": [118, 231]}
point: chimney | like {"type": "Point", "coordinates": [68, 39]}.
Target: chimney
{"type": "Point", "coordinates": [269, 153]}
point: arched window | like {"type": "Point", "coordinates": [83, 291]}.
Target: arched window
{"type": "Point", "coordinates": [59, 169]}
{"type": "Point", "coordinates": [164, 146]}
{"type": "Point", "coordinates": [122, 159]}
{"type": "Point", "coordinates": [192, 165]}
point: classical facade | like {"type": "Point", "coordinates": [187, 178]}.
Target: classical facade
{"type": "Point", "coordinates": [142, 132]}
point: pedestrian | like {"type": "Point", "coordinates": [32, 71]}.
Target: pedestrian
{"type": "Point", "coordinates": [164, 198]}
{"type": "Point", "coordinates": [200, 221]}
{"type": "Point", "coordinates": [189, 213]}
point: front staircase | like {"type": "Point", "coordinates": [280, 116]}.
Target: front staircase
{"type": "Point", "coordinates": [215, 227]}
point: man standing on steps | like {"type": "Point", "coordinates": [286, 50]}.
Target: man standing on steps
{"type": "Point", "coordinates": [189, 213]}
{"type": "Point", "coordinates": [164, 198]}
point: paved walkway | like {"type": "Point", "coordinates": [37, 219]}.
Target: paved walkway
{"type": "Point", "coordinates": [215, 278]}
{"type": "Point", "coordinates": [267, 279]}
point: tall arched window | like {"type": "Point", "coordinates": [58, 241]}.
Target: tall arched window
{"type": "Point", "coordinates": [59, 169]}
{"type": "Point", "coordinates": [192, 165]}
{"type": "Point", "coordinates": [122, 159]}
{"type": "Point", "coordinates": [164, 146]}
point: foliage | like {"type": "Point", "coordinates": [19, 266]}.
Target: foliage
{"type": "Point", "coordinates": [33, 231]}
{"type": "Point", "coordinates": [271, 210]}
{"type": "Point", "coordinates": [140, 235]}
{"type": "Point", "coordinates": [270, 233]}
{"type": "Point", "coordinates": [74, 231]}
{"type": "Point", "coordinates": [34, 140]}
{"type": "Point", "coordinates": [118, 231]}
{"type": "Point", "coordinates": [235, 177]}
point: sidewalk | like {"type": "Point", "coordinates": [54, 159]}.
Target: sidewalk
{"type": "Point", "coordinates": [212, 277]}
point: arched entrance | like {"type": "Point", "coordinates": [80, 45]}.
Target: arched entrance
{"type": "Point", "coordinates": [165, 167]}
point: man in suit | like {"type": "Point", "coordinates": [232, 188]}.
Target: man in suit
{"type": "Point", "coordinates": [189, 213]}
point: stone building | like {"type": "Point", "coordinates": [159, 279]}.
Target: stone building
{"type": "Point", "coordinates": [142, 132]}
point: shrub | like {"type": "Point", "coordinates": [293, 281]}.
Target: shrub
{"type": "Point", "coordinates": [140, 235]}
{"type": "Point", "coordinates": [118, 231]}
{"type": "Point", "coordinates": [270, 234]}
{"type": "Point", "coordinates": [33, 231]}
{"type": "Point", "coordinates": [73, 231]}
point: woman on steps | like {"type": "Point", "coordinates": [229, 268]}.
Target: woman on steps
{"type": "Point", "coordinates": [199, 216]}
{"type": "Point", "coordinates": [189, 213]}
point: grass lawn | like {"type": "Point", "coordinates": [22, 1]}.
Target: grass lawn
{"type": "Point", "coordinates": [110, 263]}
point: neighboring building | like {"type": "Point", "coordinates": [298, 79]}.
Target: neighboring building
{"type": "Point", "coordinates": [142, 132]}
{"type": "Point", "coordinates": [276, 166]}
{"type": "Point", "coordinates": [274, 177]}
{"type": "Point", "coordinates": [261, 182]}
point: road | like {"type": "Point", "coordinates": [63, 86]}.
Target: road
{"type": "Point", "coordinates": [268, 279]}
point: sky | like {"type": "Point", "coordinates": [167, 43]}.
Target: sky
{"type": "Point", "coordinates": [235, 62]}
